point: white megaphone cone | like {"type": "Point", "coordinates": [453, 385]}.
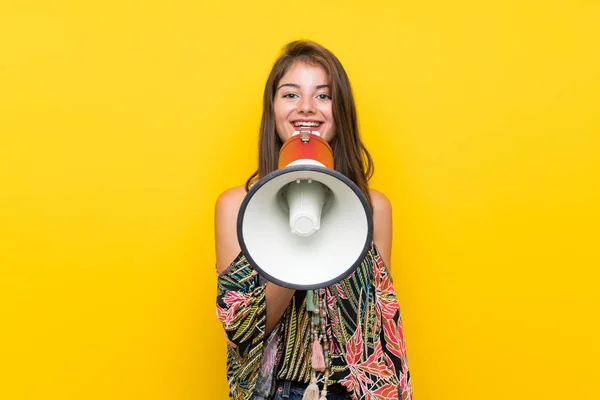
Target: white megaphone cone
{"type": "Point", "coordinates": [305, 225]}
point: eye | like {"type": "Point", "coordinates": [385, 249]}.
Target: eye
{"type": "Point", "coordinates": [323, 96]}
{"type": "Point", "coordinates": [289, 96]}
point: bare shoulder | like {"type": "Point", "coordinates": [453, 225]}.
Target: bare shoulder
{"type": "Point", "coordinates": [382, 224]}
{"type": "Point", "coordinates": [380, 201]}
{"type": "Point", "coordinates": [227, 207]}
{"type": "Point", "coordinates": [231, 198]}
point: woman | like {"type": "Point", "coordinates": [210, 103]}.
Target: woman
{"type": "Point", "coordinates": [342, 341]}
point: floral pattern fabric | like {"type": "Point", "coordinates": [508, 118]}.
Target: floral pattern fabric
{"type": "Point", "coordinates": [364, 328]}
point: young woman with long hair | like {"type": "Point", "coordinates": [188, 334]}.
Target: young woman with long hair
{"type": "Point", "coordinates": [275, 350]}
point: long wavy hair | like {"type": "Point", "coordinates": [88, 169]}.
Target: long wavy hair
{"type": "Point", "coordinates": [351, 157]}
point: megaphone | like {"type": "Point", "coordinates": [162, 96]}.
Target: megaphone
{"type": "Point", "coordinates": [305, 225]}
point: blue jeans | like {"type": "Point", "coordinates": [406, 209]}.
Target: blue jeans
{"type": "Point", "coordinates": [285, 391]}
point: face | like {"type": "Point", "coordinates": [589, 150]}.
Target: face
{"type": "Point", "coordinates": [303, 101]}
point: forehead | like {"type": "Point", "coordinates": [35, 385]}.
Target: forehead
{"type": "Point", "coordinates": [305, 74]}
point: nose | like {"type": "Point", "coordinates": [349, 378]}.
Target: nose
{"type": "Point", "coordinates": [306, 105]}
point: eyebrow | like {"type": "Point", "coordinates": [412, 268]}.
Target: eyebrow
{"type": "Point", "coordinates": [295, 85]}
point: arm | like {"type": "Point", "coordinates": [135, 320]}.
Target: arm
{"type": "Point", "coordinates": [393, 331]}
{"type": "Point", "coordinates": [227, 248]}
{"type": "Point", "coordinates": [382, 226]}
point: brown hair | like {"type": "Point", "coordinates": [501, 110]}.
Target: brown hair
{"type": "Point", "coordinates": [351, 157]}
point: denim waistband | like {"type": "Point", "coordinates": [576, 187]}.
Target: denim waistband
{"type": "Point", "coordinates": [334, 388]}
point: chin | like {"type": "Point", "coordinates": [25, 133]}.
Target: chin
{"type": "Point", "coordinates": [328, 137]}
{"type": "Point", "coordinates": [285, 137]}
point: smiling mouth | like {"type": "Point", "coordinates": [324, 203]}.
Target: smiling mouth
{"type": "Point", "coordinates": [306, 124]}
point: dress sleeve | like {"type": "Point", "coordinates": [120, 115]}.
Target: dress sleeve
{"type": "Point", "coordinates": [241, 308]}
{"type": "Point", "coordinates": [392, 333]}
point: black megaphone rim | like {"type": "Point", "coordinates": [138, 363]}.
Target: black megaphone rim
{"type": "Point", "coordinates": [286, 170]}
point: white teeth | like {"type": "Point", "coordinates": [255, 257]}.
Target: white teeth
{"type": "Point", "coordinates": [313, 132]}
{"type": "Point", "coordinates": [307, 123]}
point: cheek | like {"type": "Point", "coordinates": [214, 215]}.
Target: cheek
{"type": "Point", "coordinates": [329, 117]}
{"type": "Point", "coordinates": [280, 119]}
{"type": "Point", "coordinates": [277, 111]}
{"type": "Point", "coordinates": [281, 112]}
{"type": "Point", "coordinates": [327, 112]}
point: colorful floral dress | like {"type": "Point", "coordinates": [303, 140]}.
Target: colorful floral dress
{"type": "Point", "coordinates": [364, 329]}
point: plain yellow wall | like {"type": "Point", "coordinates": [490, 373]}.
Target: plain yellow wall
{"type": "Point", "coordinates": [122, 121]}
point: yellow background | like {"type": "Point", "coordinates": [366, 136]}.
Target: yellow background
{"type": "Point", "coordinates": [121, 122]}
